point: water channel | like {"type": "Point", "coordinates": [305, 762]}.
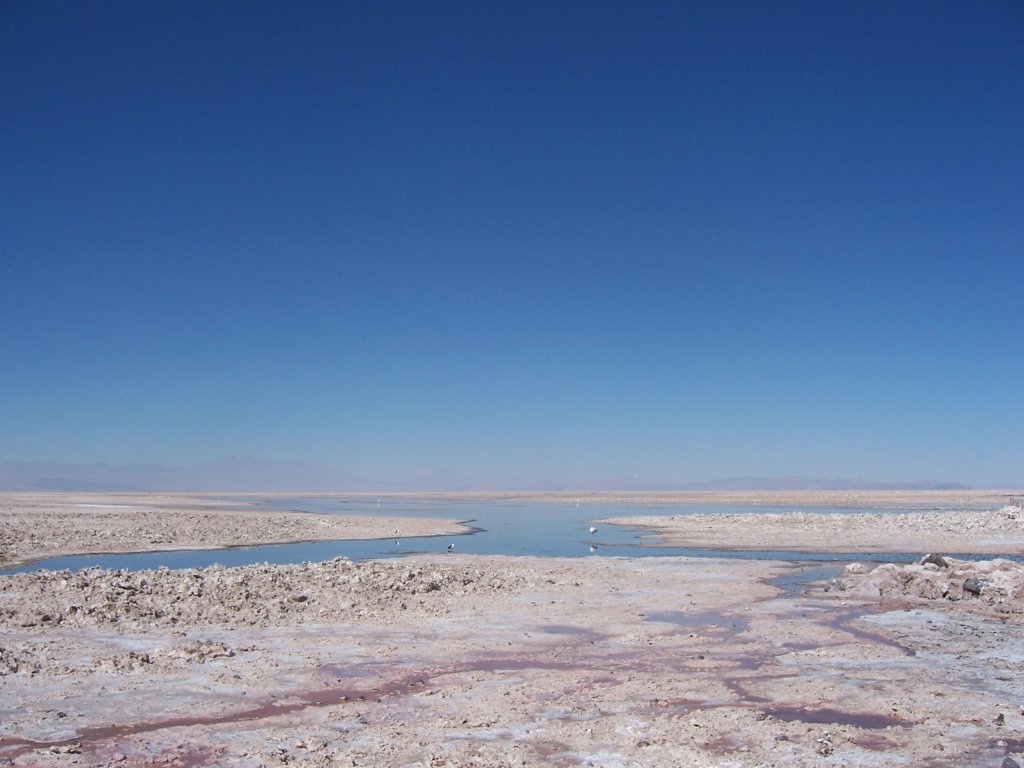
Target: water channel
{"type": "Point", "coordinates": [499, 528]}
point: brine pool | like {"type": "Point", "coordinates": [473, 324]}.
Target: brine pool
{"type": "Point", "coordinates": [499, 528]}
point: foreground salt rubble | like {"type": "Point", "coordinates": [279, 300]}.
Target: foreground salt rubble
{"type": "Point", "coordinates": [489, 661]}
{"type": "Point", "coordinates": [254, 596]}
{"type": "Point", "coordinates": [455, 660]}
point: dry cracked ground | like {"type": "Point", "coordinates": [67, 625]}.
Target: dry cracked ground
{"type": "Point", "coordinates": [455, 660]}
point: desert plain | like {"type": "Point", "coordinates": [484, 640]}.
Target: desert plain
{"type": "Point", "coordinates": [458, 660]}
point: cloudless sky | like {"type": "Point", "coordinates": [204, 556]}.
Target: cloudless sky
{"type": "Point", "coordinates": [520, 241]}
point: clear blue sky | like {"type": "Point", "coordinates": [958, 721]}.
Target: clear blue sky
{"type": "Point", "coordinates": [519, 241]}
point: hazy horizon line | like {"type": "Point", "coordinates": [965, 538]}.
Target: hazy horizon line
{"type": "Point", "coordinates": [246, 474]}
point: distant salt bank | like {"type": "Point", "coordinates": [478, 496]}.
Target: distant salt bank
{"type": "Point", "coordinates": [993, 532]}
{"type": "Point", "coordinates": [34, 527]}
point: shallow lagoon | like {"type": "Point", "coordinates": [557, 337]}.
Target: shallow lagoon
{"type": "Point", "coordinates": [512, 528]}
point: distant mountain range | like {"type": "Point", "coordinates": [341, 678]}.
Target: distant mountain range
{"type": "Point", "coordinates": [792, 483]}
{"type": "Point", "coordinates": [818, 484]}
{"type": "Point", "coordinates": [242, 474]}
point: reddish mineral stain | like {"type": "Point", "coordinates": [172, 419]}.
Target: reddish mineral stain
{"type": "Point", "coordinates": [827, 716]}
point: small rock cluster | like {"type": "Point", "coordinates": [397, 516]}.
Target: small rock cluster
{"type": "Point", "coordinates": [198, 652]}
{"type": "Point", "coordinates": [259, 595]}
{"type": "Point", "coordinates": [13, 661]}
{"type": "Point", "coordinates": [996, 585]}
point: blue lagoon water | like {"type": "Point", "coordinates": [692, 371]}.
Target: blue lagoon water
{"type": "Point", "coordinates": [514, 528]}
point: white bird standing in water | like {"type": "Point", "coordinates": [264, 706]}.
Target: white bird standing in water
{"type": "Point", "coordinates": [593, 529]}
{"type": "Point", "coordinates": [451, 547]}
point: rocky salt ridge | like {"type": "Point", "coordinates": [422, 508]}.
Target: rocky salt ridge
{"type": "Point", "coordinates": [253, 596]}
{"type": "Point", "coordinates": [34, 658]}
{"type": "Point", "coordinates": [988, 586]}
{"type": "Point", "coordinates": [495, 662]}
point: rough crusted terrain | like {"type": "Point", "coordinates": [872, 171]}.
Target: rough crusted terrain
{"type": "Point", "coordinates": [992, 587]}
{"type": "Point", "coordinates": [33, 526]}
{"type": "Point", "coordinates": [455, 660]}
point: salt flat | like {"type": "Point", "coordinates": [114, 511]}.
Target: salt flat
{"type": "Point", "coordinates": [492, 661]}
